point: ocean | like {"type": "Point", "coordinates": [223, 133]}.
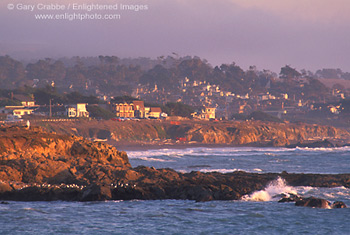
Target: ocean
{"type": "Point", "coordinates": [259, 213]}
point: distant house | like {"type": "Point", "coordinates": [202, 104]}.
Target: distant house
{"type": "Point", "coordinates": [78, 110]}
{"type": "Point", "coordinates": [125, 110]}
{"type": "Point", "coordinates": [139, 109]}
{"type": "Point", "coordinates": [334, 109]}
{"type": "Point", "coordinates": [130, 110]}
{"type": "Point", "coordinates": [154, 112]}
{"type": "Point", "coordinates": [206, 113]}
{"type": "Point", "coordinates": [17, 110]}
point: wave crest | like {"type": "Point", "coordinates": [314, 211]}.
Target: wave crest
{"type": "Point", "coordinates": [271, 192]}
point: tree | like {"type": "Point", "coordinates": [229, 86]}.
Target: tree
{"type": "Point", "coordinates": [46, 70]}
{"type": "Point", "coordinates": [76, 97]}
{"type": "Point", "coordinates": [11, 72]}
{"type": "Point", "coordinates": [123, 99]}
{"type": "Point", "coordinates": [99, 112]}
{"type": "Point", "coordinates": [44, 95]}
{"type": "Point", "coordinates": [159, 76]}
{"type": "Point", "coordinates": [195, 69]}
{"type": "Point", "coordinates": [259, 115]}
{"type": "Point", "coordinates": [288, 72]}
{"type": "Point", "coordinates": [178, 109]}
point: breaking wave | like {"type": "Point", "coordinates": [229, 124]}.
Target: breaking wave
{"type": "Point", "coordinates": [152, 159]}
{"type": "Point", "coordinates": [275, 189]}
{"type": "Point", "coordinates": [271, 192]}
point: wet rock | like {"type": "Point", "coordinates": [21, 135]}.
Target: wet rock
{"type": "Point", "coordinates": [317, 144]}
{"type": "Point", "coordinates": [339, 204]}
{"type": "Point", "coordinates": [96, 193]}
{"type": "Point", "coordinates": [313, 202]}
{"type": "Point", "coordinates": [290, 198]}
{"type": "Point", "coordinates": [279, 142]}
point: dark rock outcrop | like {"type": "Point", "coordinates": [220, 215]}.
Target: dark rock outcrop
{"type": "Point", "coordinates": [339, 204]}
{"type": "Point", "coordinates": [313, 202]}
{"type": "Point", "coordinates": [317, 144]}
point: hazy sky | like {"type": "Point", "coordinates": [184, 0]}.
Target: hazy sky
{"type": "Point", "coordinates": [308, 34]}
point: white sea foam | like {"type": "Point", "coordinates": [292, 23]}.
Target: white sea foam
{"type": "Point", "coordinates": [278, 187]}
{"type": "Point", "coordinates": [151, 159]}
{"type": "Point", "coordinates": [337, 193]}
{"type": "Point", "coordinates": [231, 151]}
{"type": "Point", "coordinates": [274, 188]}
{"type": "Point", "coordinates": [159, 153]}
{"type": "Point", "coordinates": [224, 171]}
{"type": "Point", "coordinates": [297, 160]}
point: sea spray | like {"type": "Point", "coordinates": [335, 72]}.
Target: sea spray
{"type": "Point", "coordinates": [273, 189]}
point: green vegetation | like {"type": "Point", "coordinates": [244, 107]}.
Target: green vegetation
{"type": "Point", "coordinates": [123, 99]}
{"type": "Point", "coordinates": [99, 112]}
{"type": "Point", "coordinates": [42, 96]}
{"type": "Point", "coordinates": [178, 109]}
{"type": "Point", "coordinates": [111, 75]}
{"type": "Point", "coordinates": [257, 115]}
{"type": "Point", "coordinates": [9, 102]}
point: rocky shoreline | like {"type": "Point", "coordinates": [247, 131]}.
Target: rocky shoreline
{"type": "Point", "coordinates": [153, 184]}
{"type": "Point", "coordinates": [39, 166]}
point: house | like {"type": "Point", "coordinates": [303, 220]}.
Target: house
{"type": "Point", "coordinates": [17, 110]}
{"type": "Point", "coordinates": [334, 109]}
{"type": "Point", "coordinates": [125, 110]}
{"type": "Point", "coordinates": [139, 109]}
{"type": "Point", "coordinates": [130, 110]}
{"type": "Point", "coordinates": [154, 112]}
{"type": "Point", "coordinates": [78, 110]}
{"type": "Point", "coordinates": [206, 113]}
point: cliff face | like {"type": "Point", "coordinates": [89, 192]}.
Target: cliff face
{"type": "Point", "coordinates": [35, 156]}
{"type": "Point", "coordinates": [238, 133]}
{"type": "Point", "coordinates": [257, 132]}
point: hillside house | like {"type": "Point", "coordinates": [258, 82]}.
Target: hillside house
{"type": "Point", "coordinates": [17, 110]}
{"type": "Point", "coordinates": [154, 112]}
{"type": "Point", "coordinates": [78, 110]}
{"type": "Point", "coordinates": [206, 113]}
{"type": "Point", "coordinates": [130, 110]}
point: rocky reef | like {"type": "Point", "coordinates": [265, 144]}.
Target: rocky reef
{"type": "Point", "coordinates": [312, 202]}
{"type": "Point", "coordinates": [40, 165]}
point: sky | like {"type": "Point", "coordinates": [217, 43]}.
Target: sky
{"type": "Point", "coordinates": [305, 34]}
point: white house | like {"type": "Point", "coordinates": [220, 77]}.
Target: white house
{"type": "Point", "coordinates": [78, 110]}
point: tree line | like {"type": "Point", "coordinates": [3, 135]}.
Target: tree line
{"type": "Point", "coordinates": [112, 76]}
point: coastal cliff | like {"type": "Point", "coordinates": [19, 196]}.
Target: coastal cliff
{"type": "Point", "coordinates": [203, 132]}
{"type": "Point", "coordinates": [39, 165]}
